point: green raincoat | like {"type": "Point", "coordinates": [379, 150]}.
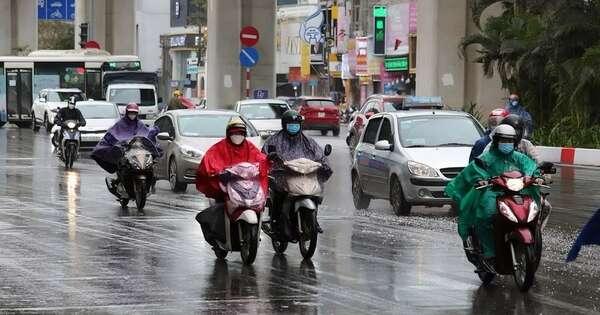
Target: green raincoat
{"type": "Point", "coordinates": [477, 207]}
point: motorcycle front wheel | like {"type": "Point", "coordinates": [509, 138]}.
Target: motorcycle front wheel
{"type": "Point", "coordinates": [72, 155]}
{"type": "Point", "coordinates": [308, 237]}
{"type": "Point", "coordinates": [279, 246]}
{"type": "Point", "coordinates": [249, 242]}
{"type": "Point", "coordinates": [67, 156]}
{"type": "Point", "coordinates": [525, 258]}
{"type": "Point", "coordinates": [139, 186]}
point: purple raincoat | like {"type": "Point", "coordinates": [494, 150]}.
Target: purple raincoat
{"type": "Point", "coordinates": [107, 153]}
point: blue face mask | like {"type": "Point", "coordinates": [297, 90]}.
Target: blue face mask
{"type": "Point", "coordinates": [514, 103]}
{"type": "Point", "coordinates": [506, 148]}
{"type": "Point", "coordinates": [292, 128]}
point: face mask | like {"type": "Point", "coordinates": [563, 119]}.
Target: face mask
{"type": "Point", "coordinates": [506, 148]}
{"type": "Point", "coordinates": [514, 103]}
{"type": "Point", "coordinates": [131, 116]}
{"type": "Point", "coordinates": [292, 128]}
{"type": "Point", "coordinates": [237, 139]}
{"type": "Point", "coordinates": [71, 106]}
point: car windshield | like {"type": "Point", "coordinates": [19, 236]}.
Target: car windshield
{"type": "Point", "coordinates": [320, 103]}
{"type": "Point", "coordinates": [63, 96]}
{"type": "Point", "coordinates": [207, 126]}
{"type": "Point", "coordinates": [143, 97]}
{"type": "Point", "coordinates": [392, 106]}
{"type": "Point", "coordinates": [99, 111]}
{"type": "Point", "coordinates": [438, 131]}
{"type": "Point", "coordinates": [263, 110]}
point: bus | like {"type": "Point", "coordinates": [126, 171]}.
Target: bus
{"type": "Point", "coordinates": [23, 77]}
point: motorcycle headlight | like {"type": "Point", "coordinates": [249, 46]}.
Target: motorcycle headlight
{"type": "Point", "coordinates": [515, 184]}
{"type": "Point", "coordinates": [533, 211]}
{"type": "Point", "coordinates": [419, 169]}
{"type": "Point", "coordinates": [505, 210]}
{"type": "Point", "coordinates": [191, 153]}
{"type": "Point", "coordinates": [71, 125]}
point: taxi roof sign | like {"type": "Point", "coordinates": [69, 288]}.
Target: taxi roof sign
{"type": "Point", "coordinates": [423, 102]}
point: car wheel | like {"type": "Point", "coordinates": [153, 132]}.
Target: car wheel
{"type": "Point", "coordinates": [47, 123]}
{"type": "Point", "coordinates": [323, 132]}
{"type": "Point", "coordinates": [361, 201]}
{"type": "Point", "coordinates": [34, 125]}
{"type": "Point", "coordinates": [397, 200]}
{"type": "Point", "coordinates": [176, 185]}
{"type": "Point", "coordinates": [336, 132]}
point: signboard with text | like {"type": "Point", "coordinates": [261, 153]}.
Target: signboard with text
{"type": "Point", "coordinates": [56, 10]}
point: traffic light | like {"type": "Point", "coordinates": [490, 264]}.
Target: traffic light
{"type": "Point", "coordinates": [83, 35]}
{"type": "Point", "coordinates": [379, 16]}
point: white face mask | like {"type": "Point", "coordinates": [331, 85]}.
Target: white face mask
{"type": "Point", "coordinates": [71, 106]}
{"type": "Point", "coordinates": [131, 116]}
{"type": "Point", "coordinates": [237, 139]}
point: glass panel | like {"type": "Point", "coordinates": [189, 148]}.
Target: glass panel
{"type": "Point", "coordinates": [93, 84]}
{"type": "Point", "coordinates": [263, 111]}
{"type": "Point", "coordinates": [371, 131]}
{"type": "Point", "coordinates": [436, 131]}
{"type": "Point", "coordinates": [143, 97]}
{"type": "Point", "coordinates": [26, 92]}
{"type": "Point", "coordinates": [11, 90]}
{"type": "Point", "coordinates": [98, 111]}
{"type": "Point", "coordinates": [2, 95]}
{"type": "Point", "coordinates": [208, 126]}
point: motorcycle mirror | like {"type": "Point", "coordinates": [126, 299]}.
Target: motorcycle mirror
{"type": "Point", "coordinates": [327, 150]}
{"type": "Point", "coordinates": [164, 136]}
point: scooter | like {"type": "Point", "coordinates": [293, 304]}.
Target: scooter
{"type": "Point", "coordinates": [71, 140]}
{"type": "Point", "coordinates": [136, 172]}
{"type": "Point", "coordinates": [244, 206]}
{"type": "Point", "coordinates": [517, 232]}
{"type": "Point", "coordinates": [298, 216]}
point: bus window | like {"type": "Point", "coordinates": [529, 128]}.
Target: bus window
{"type": "Point", "coordinates": [93, 83]}
{"type": "Point", "coordinates": [58, 75]}
{"type": "Point", "coordinates": [3, 117]}
{"type": "Point", "coordinates": [121, 66]}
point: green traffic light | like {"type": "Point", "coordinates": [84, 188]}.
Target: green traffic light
{"type": "Point", "coordinates": [379, 11]}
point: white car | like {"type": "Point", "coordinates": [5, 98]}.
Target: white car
{"type": "Point", "coordinates": [99, 117]}
{"type": "Point", "coordinates": [46, 106]}
{"type": "Point", "coordinates": [264, 114]}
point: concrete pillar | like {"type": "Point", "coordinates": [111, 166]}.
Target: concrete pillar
{"type": "Point", "coordinates": [120, 27]}
{"type": "Point", "coordinates": [96, 11]}
{"type": "Point", "coordinates": [80, 17]}
{"type": "Point", "coordinates": [5, 27]}
{"type": "Point", "coordinates": [262, 15]}
{"type": "Point", "coordinates": [26, 24]}
{"type": "Point", "coordinates": [427, 47]}
{"type": "Point", "coordinates": [223, 67]}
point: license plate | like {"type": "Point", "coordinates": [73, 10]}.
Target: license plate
{"type": "Point", "coordinates": [321, 115]}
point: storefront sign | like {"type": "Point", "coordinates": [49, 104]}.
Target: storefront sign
{"type": "Point", "coordinates": [412, 19]}
{"type": "Point", "coordinates": [396, 64]}
{"type": "Point", "coordinates": [177, 41]}
{"type": "Point", "coordinates": [397, 29]}
{"type": "Point", "coordinates": [362, 66]}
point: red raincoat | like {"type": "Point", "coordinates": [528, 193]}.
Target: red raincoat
{"type": "Point", "coordinates": [223, 155]}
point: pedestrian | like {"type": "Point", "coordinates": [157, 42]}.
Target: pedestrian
{"type": "Point", "coordinates": [176, 101]}
{"type": "Point", "coordinates": [514, 106]}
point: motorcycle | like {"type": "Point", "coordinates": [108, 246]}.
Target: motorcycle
{"type": "Point", "coordinates": [517, 231]}
{"type": "Point", "coordinates": [298, 216]}
{"type": "Point", "coordinates": [136, 171]}
{"type": "Point", "coordinates": [71, 140]}
{"type": "Point", "coordinates": [244, 205]}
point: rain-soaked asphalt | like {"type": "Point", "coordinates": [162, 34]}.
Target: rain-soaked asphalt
{"type": "Point", "coordinates": [66, 246]}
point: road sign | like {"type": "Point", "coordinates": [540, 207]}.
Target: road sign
{"type": "Point", "coordinates": [249, 36]}
{"type": "Point", "coordinates": [248, 57]}
{"type": "Point", "coordinates": [192, 61]}
{"type": "Point", "coordinates": [310, 29]}
{"type": "Point", "coordinates": [261, 94]}
{"type": "Point", "coordinates": [56, 10]}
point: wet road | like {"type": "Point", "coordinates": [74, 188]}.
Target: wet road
{"type": "Point", "coordinates": [66, 246]}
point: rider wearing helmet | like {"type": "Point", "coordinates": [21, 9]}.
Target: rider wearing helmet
{"type": "Point", "coordinates": [288, 144]}
{"type": "Point", "coordinates": [523, 145]}
{"type": "Point", "coordinates": [477, 207]}
{"type": "Point", "coordinates": [68, 113]}
{"type": "Point", "coordinates": [514, 106]}
{"type": "Point", "coordinates": [493, 120]}
{"type": "Point", "coordinates": [175, 102]}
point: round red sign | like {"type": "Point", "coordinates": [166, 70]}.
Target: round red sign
{"type": "Point", "coordinates": [249, 36]}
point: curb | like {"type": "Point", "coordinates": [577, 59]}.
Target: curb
{"type": "Point", "coordinates": [570, 156]}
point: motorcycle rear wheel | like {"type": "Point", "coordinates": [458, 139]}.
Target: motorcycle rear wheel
{"type": "Point", "coordinates": [139, 186]}
{"type": "Point", "coordinates": [249, 242]}
{"type": "Point", "coordinates": [526, 267]}
{"type": "Point", "coordinates": [220, 253]}
{"type": "Point", "coordinates": [308, 238]}
{"type": "Point", "coordinates": [279, 246]}
{"type": "Point", "coordinates": [124, 203]}
{"type": "Point", "coordinates": [486, 277]}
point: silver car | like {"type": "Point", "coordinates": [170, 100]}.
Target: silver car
{"type": "Point", "coordinates": [99, 117]}
{"type": "Point", "coordinates": [185, 135]}
{"type": "Point", "coordinates": [264, 114]}
{"type": "Point", "coordinates": [408, 157]}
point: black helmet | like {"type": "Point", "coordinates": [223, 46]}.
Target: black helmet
{"type": "Point", "coordinates": [516, 122]}
{"type": "Point", "coordinates": [73, 99]}
{"type": "Point", "coordinates": [504, 132]}
{"type": "Point", "coordinates": [291, 116]}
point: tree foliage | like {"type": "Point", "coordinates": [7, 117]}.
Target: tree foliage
{"type": "Point", "coordinates": [55, 35]}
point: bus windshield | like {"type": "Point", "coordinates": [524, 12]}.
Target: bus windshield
{"type": "Point", "coordinates": [143, 97]}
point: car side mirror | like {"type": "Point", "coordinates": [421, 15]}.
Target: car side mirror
{"type": "Point", "coordinates": [42, 100]}
{"type": "Point", "coordinates": [164, 136]}
{"type": "Point", "coordinates": [547, 167]}
{"type": "Point", "coordinates": [383, 145]}
{"type": "Point", "coordinates": [327, 150]}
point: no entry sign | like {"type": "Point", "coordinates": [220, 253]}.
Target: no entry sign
{"type": "Point", "coordinates": [249, 36]}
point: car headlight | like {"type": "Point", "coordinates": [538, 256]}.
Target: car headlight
{"type": "Point", "coordinates": [533, 211]}
{"type": "Point", "coordinates": [419, 169]}
{"type": "Point", "coordinates": [150, 116]}
{"type": "Point", "coordinates": [71, 125]}
{"type": "Point", "coordinates": [190, 152]}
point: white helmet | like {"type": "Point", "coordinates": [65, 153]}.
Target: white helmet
{"type": "Point", "coordinates": [504, 132]}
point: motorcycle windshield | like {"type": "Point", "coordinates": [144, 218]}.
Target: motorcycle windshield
{"type": "Point", "coordinates": [303, 166]}
{"type": "Point", "coordinates": [144, 143]}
